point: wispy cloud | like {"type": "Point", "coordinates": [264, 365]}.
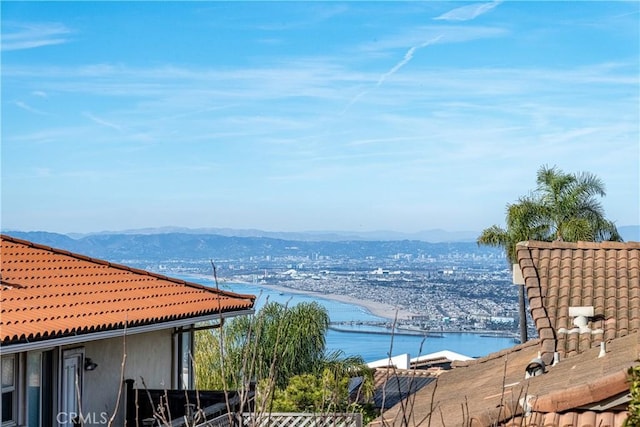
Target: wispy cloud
{"type": "Point", "coordinates": [18, 36]}
{"type": "Point", "coordinates": [385, 140]}
{"type": "Point", "coordinates": [199, 91]}
{"type": "Point", "coordinates": [321, 13]}
{"type": "Point", "coordinates": [30, 109]}
{"type": "Point", "coordinates": [102, 122]}
{"type": "Point", "coordinates": [414, 36]}
{"type": "Point", "coordinates": [467, 13]}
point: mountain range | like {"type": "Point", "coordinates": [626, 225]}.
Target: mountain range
{"type": "Point", "coordinates": [123, 247]}
{"type": "Point", "coordinates": [217, 243]}
{"type": "Point", "coordinates": [433, 236]}
{"type": "Point", "coordinates": [628, 233]}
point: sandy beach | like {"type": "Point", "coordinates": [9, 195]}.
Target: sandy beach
{"type": "Point", "coordinates": [379, 309]}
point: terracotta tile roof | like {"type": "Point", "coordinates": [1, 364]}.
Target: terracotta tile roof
{"type": "Point", "coordinates": [572, 418]}
{"type": "Point", "coordinates": [472, 390]}
{"type": "Point", "coordinates": [392, 385]}
{"type": "Point", "coordinates": [560, 275]}
{"type": "Point", "coordinates": [582, 389]}
{"type": "Point", "coordinates": [49, 293]}
{"type": "Point", "coordinates": [498, 354]}
{"type": "Point", "coordinates": [425, 363]}
{"type": "Point", "coordinates": [489, 391]}
{"type": "Point", "coordinates": [382, 375]}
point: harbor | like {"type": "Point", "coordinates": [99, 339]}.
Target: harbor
{"type": "Point", "coordinates": [407, 328]}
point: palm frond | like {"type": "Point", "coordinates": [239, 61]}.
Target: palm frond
{"type": "Point", "coordinates": [493, 236]}
{"type": "Point", "coordinates": [562, 207]}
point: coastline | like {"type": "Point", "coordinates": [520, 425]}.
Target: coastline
{"type": "Point", "coordinates": [386, 311]}
{"type": "Point", "coordinates": [379, 309]}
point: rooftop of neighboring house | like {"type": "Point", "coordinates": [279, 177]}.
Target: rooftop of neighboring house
{"type": "Point", "coordinates": [48, 293]}
{"type": "Point", "coordinates": [491, 391]}
{"type": "Point", "coordinates": [443, 358]}
{"type": "Point", "coordinates": [560, 275]}
{"type": "Point", "coordinates": [588, 383]}
{"type": "Point", "coordinates": [392, 385]}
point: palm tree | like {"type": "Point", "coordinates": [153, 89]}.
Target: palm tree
{"type": "Point", "coordinates": [567, 205]}
{"type": "Point", "coordinates": [563, 207]}
{"type": "Point", "coordinates": [278, 342]}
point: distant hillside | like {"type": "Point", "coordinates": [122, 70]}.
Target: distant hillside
{"type": "Point", "coordinates": [629, 233]}
{"type": "Point", "coordinates": [167, 244]}
{"type": "Point", "coordinates": [160, 247]}
{"type": "Point", "coordinates": [433, 236]}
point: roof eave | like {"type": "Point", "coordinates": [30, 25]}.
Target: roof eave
{"type": "Point", "coordinates": [114, 333]}
{"type": "Point", "coordinates": [600, 389]}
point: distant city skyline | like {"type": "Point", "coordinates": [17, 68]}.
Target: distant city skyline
{"type": "Point", "coordinates": [308, 116]}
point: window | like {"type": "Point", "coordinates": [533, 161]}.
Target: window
{"type": "Point", "coordinates": [185, 367]}
{"type": "Point", "coordinates": [34, 388]}
{"type": "Point", "coordinates": [39, 385]}
{"type": "Point", "coordinates": [9, 395]}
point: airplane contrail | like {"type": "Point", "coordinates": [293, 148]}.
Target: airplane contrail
{"type": "Point", "coordinates": [407, 57]}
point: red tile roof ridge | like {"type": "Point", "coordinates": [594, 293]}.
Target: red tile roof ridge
{"type": "Point", "coordinates": [117, 266]}
{"type": "Point", "coordinates": [598, 389]}
{"type": "Point", "coordinates": [579, 418]}
{"type": "Point", "coordinates": [496, 355]}
{"type": "Point", "coordinates": [579, 245]}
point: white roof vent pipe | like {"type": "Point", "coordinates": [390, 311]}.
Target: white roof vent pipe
{"type": "Point", "coordinates": [603, 350]}
{"type": "Point", "coordinates": [584, 311]}
{"type": "Point", "coordinates": [581, 315]}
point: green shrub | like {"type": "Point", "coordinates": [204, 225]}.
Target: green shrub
{"type": "Point", "coordinates": [633, 420]}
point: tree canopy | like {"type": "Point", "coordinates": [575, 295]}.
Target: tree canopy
{"type": "Point", "coordinates": [564, 206]}
{"type": "Point", "coordinates": [278, 342]}
{"type": "Point", "coordinates": [280, 349]}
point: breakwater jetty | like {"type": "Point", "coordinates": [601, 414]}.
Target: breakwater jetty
{"type": "Point", "coordinates": [407, 328]}
{"type": "Point", "coordinates": [382, 328]}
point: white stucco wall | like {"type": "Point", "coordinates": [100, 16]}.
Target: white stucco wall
{"type": "Point", "coordinates": [148, 356]}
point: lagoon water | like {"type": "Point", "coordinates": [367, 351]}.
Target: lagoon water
{"type": "Point", "coordinates": [368, 345]}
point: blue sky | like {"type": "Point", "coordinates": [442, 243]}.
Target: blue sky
{"type": "Point", "coordinates": [297, 116]}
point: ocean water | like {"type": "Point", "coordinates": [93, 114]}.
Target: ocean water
{"type": "Point", "coordinates": [371, 346]}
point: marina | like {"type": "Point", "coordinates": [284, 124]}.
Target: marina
{"type": "Point", "coordinates": [355, 331]}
